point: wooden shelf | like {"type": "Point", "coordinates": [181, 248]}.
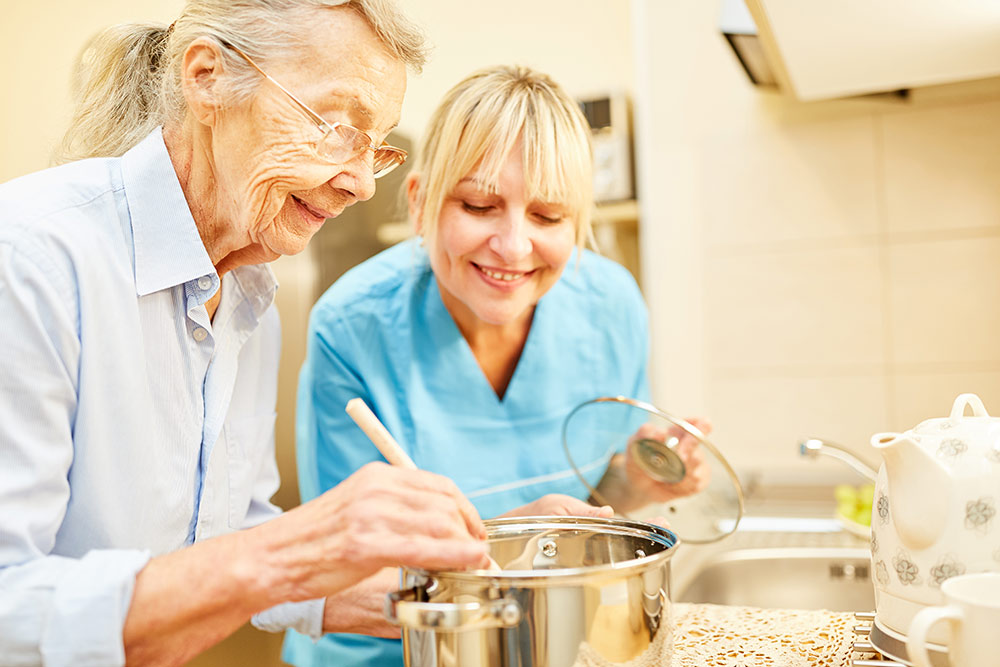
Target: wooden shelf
{"type": "Point", "coordinates": [618, 213]}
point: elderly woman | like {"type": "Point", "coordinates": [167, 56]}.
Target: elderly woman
{"type": "Point", "coordinates": [141, 342]}
{"type": "Point", "coordinates": [474, 344]}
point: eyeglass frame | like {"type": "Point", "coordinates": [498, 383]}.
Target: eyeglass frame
{"type": "Point", "coordinates": [321, 124]}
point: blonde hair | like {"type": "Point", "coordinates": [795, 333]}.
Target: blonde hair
{"type": "Point", "coordinates": [128, 78]}
{"type": "Point", "coordinates": [480, 121]}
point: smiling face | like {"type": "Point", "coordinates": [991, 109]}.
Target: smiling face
{"type": "Point", "coordinates": [273, 191]}
{"type": "Point", "coordinates": [496, 251]}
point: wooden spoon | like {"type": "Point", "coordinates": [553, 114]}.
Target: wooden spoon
{"type": "Point", "coordinates": [386, 444]}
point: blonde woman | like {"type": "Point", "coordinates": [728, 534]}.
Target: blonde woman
{"type": "Point", "coordinates": [475, 341]}
{"type": "Point", "coordinates": [141, 344]}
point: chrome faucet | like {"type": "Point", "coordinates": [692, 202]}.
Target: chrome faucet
{"type": "Point", "coordinates": [814, 447]}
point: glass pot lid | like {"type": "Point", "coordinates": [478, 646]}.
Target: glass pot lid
{"type": "Point", "coordinates": [646, 463]}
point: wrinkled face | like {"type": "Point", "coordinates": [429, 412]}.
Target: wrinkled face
{"type": "Point", "coordinates": [274, 190]}
{"type": "Point", "coordinates": [496, 254]}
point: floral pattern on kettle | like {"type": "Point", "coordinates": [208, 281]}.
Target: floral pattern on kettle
{"type": "Point", "coordinates": [979, 514]}
{"type": "Point", "coordinates": [883, 508]}
{"type": "Point", "coordinates": [906, 570]}
{"type": "Point", "coordinates": [994, 454]}
{"type": "Point", "coordinates": [882, 573]}
{"type": "Point", "coordinates": [946, 568]}
{"type": "Point", "coordinates": [952, 448]}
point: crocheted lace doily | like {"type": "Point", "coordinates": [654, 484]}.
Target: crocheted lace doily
{"type": "Point", "coordinates": [724, 636]}
{"type": "Point", "coordinates": [707, 635]}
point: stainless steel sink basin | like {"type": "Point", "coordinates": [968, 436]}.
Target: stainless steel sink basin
{"type": "Point", "coordinates": [834, 578]}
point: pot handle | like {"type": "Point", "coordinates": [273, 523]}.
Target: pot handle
{"type": "Point", "coordinates": [402, 608]}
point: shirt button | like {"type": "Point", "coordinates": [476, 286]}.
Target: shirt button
{"type": "Point", "coordinates": [204, 282]}
{"type": "Point", "coordinates": [200, 334]}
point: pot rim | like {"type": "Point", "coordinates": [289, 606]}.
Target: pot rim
{"type": "Point", "coordinates": [568, 575]}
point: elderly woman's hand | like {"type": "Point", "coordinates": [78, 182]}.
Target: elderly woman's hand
{"type": "Point", "coordinates": [557, 504]}
{"type": "Point", "coordinates": [381, 516]}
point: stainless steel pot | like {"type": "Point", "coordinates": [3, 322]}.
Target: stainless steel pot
{"type": "Point", "coordinates": [573, 591]}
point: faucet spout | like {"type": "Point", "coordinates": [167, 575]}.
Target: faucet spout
{"type": "Point", "coordinates": [814, 447]}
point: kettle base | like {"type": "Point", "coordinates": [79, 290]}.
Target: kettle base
{"type": "Point", "coordinates": [892, 644]}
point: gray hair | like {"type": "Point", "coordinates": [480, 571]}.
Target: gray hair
{"type": "Point", "coordinates": [128, 78]}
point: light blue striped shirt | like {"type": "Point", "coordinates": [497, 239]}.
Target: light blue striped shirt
{"type": "Point", "coordinates": [130, 424]}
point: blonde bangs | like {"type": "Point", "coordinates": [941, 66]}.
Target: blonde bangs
{"type": "Point", "coordinates": [481, 121]}
{"type": "Point", "coordinates": [557, 159]}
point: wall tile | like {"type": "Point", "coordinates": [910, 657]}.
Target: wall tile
{"type": "Point", "coordinates": [919, 396]}
{"type": "Point", "coordinates": [759, 421]}
{"type": "Point", "coordinates": [818, 307]}
{"type": "Point", "coordinates": [942, 167]}
{"type": "Point", "coordinates": [944, 300]}
{"type": "Point", "coordinates": [790, 182]}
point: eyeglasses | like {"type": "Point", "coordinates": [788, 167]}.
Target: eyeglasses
{"type": "Point", "coordinates": [340, 143]}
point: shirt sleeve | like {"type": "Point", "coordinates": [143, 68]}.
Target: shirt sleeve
{"type": "Point", "coordinates": [53, 610]}
{"type": "Point", "coordinates": [305, 617]}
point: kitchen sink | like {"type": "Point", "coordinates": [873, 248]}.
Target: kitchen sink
{"type": "Point", "coordinates": [834, 578]}
{"type": "Point", "coordinates": [779, 560]}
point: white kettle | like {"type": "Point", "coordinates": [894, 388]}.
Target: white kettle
{"type": "Point", "coordinates": [935, 511]}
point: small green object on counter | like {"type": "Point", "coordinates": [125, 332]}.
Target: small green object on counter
{"type": "Point", "coordinates": [855, 503]}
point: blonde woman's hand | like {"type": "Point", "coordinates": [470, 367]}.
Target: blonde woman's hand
{"type": "Point", "coordinates": [360, 609]}
{"type": "Point", "coordinates": [557, 504]}
{"type": "Point", "coordinates": [697, 473]}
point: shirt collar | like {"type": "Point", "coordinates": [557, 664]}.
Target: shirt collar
{"type": "Point", "coordinates": [259, 284]}
{"type": "Point", "coordinates": [168, 249]}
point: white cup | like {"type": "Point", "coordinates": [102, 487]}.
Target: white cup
{"type": "Point", "coordinates": [973, 608]}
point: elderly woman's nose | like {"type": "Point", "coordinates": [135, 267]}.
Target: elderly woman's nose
{"type": "Point", "coordinates": [357, 178]}
{"type": "Point", "coordinates": [512, 240]}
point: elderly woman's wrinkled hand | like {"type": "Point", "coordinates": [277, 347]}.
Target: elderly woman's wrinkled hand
{"type": "Point", "coordinates": [381, 516]}
{"type": "Point", "coordinates": [697, 474]}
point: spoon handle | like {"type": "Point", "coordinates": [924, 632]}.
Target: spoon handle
{"type": "Point", "coordinates": [383, 440]}
{"type": "Point", "coordinates": [378, 434]}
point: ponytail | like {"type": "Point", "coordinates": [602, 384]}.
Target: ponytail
{"type": "Point", "coordinates": [116, 91]}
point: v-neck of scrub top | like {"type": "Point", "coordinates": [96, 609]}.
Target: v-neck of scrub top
{"type": "Point", "coordinates": [446, 336]}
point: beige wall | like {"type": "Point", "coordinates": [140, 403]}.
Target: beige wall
{"type": "Point", "coordinates": [584, 44]}
{"type": "Point", "coordinates": [826, 269]}
{"type": "Point", "coordinates": [38, 44]}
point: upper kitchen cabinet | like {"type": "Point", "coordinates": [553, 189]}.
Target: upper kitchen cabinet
{"type": "Point", "coordinates": [819, 50]}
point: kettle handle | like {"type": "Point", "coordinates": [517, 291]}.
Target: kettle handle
{"type": "Point", "coordinates": [970, 400]}
{"type": "Point", "coordinates": [402, 608]}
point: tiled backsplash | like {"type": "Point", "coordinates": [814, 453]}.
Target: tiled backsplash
{"type": "Point", "coordinates": [835, 267]}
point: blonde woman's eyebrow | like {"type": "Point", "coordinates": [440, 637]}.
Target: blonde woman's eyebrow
{"type": "Point", "coordinates": [478, 182]}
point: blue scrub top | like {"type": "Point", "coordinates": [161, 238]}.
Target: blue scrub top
{"type": "Point", "coordinates": [382, 333]}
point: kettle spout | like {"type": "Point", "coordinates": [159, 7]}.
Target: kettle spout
{"type": "Point", "coordinates": [918, 489]}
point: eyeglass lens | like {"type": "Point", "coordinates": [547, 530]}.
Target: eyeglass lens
{"type": "Point", "coordinates": [345, 143]}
